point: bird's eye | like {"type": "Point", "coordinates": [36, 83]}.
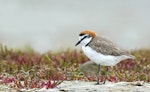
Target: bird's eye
{"type": "Point", "coordinates": [89, 36]}
{"type": "Point", "coordinates": [81, 34]}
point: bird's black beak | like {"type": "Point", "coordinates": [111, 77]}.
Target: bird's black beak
{"type": "Point", "coordinates": [81, 40]}
{"type": "Point", "coordinates": [78, 43]}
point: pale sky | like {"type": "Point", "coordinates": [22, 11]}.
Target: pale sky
{"type": "Point", "coordinates": [49, 24]}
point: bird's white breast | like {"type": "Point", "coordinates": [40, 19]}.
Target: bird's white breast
{"type": "Point", "coordinates": [106, 60]}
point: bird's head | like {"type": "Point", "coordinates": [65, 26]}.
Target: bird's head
{"type": "Point", "coordinates": [85, 37]}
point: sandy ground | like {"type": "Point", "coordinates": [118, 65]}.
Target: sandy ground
{"type": "Point", "coordinates": [4, 88]}
{"type": "Point", "coordinates": [81, 86]}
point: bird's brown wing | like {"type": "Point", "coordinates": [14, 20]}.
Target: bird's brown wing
{"type": "Point", "coordinates": [106, 47]}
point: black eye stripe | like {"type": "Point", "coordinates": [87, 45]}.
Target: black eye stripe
{"type": "Point", "coordinates": [81, 34]}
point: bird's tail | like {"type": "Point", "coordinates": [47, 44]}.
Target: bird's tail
{"type": "Point", "coordinates": [131, 57]}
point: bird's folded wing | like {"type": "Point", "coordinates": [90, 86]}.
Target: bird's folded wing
{"type": "Point", "coordinates": [106, 47]}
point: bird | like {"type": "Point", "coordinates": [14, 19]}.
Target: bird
{"type": "Point", "coordinates": [102, 51]}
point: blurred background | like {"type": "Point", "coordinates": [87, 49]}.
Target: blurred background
{"type": "Point", "coordinates": [54, 24]}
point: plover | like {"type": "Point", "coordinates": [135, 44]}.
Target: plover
{"type": "Point", "coordinates": [102, 51]}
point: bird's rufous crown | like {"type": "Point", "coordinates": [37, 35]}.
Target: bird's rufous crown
{"type": "Point", "coordinates": [91, 33]}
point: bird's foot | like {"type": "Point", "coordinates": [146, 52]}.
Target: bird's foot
{"type": "Point", "coordinates": [99, 83]}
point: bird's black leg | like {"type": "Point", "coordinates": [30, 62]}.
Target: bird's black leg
{"type": "Point", "coordinates": [106, 74]}
{"type": "Point", "coordinates": [99, 74]}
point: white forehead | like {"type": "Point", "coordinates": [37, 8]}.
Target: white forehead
{"type": "Point", "coordinates": [80, 37]}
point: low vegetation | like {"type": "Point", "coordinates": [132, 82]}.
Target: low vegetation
{"type": "Point", "coordinates": [29, 69]}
